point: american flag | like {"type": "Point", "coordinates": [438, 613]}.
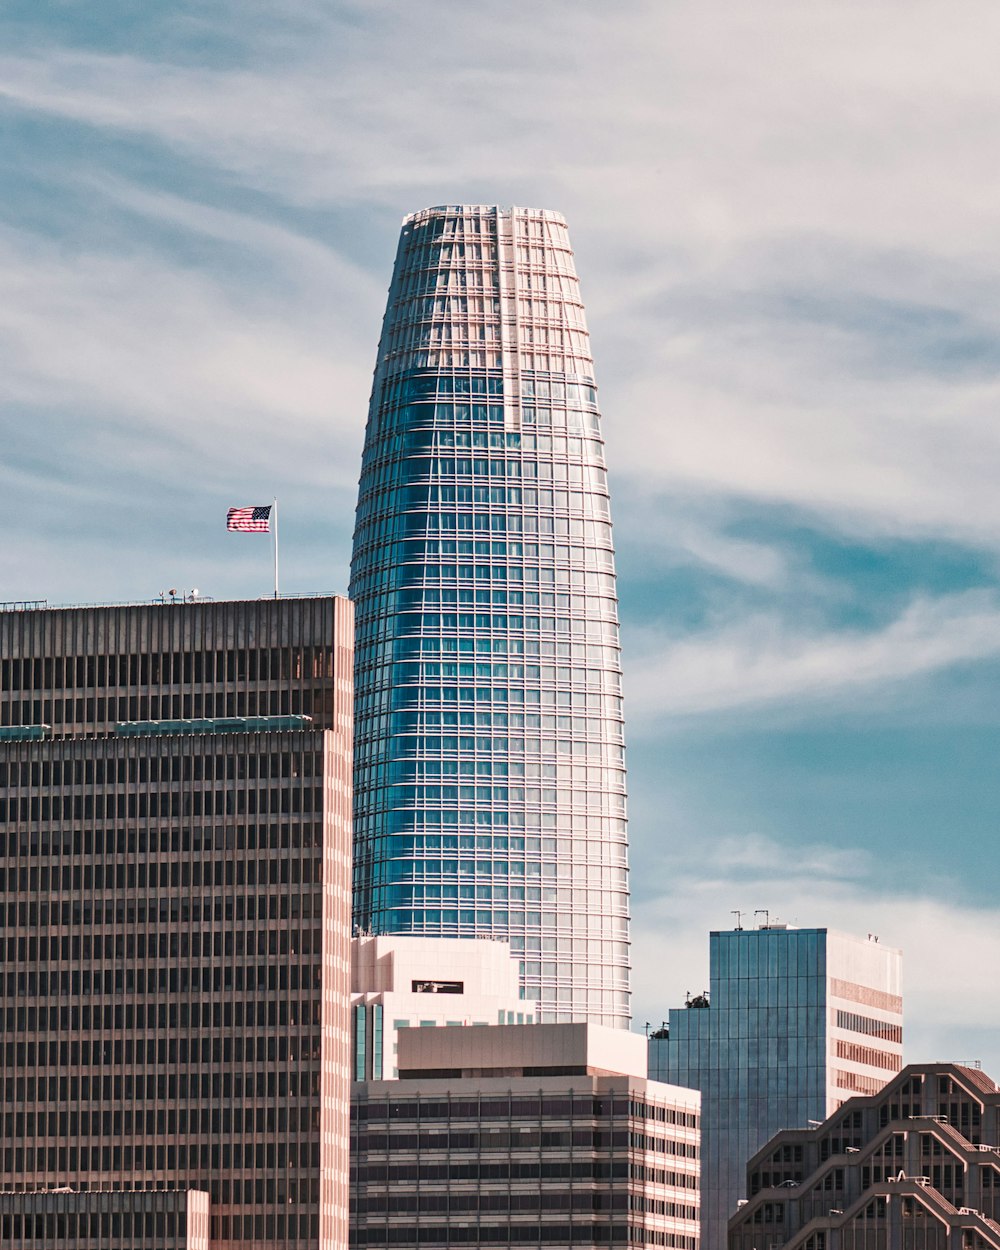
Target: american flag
{"type": "Point", "coordinates": [249, 520]}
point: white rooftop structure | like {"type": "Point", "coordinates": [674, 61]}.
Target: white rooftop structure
{"type": "Point", "coordinates": [403, 982]}
{"type": "Point", "coordinates": [530, 1050]}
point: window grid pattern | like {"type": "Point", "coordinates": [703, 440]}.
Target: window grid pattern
{"type": "Point", "coordinates": [82, 670]}
{"type": "Point", "coordinates": [873, 1159]}
{"type": "Point", "coordinates": [174, 922]}
{"type": "Point", "coordinates": [764, 1047]}
{"type": "Point", "coordinates": [163, 987]}
{"type": "Point", "coordinates": [592, 1161]}
{"type": "Point", "coordinates": [489, 767]}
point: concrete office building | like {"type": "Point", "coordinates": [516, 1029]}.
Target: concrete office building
{"type": "Point", "coordinates": [489, 766]}
{"type": "Point", "coordinates": [913, 1167]}
{"type": "Point", "coordinates": [413, 982]}
{"type": "Point", "coordinates": [540, 1135]}
{"type": "Point", "coordinates": [795, 1022]}
{"type": "Point", "coordinates": [174, 890]}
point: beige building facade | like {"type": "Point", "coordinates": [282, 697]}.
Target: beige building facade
{"type": "Point", "coordinates": [914, 1167]}
{"type": "Point", "coordinates": [175, 832]}
{"type": "Point", "coordinates": [533, 1135]}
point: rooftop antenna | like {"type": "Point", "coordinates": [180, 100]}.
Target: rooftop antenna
{"type": "Point", "coordinates": [739, 919]}
{"type": "Point", "coordinates": [762, 911]}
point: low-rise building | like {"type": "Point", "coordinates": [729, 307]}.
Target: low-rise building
{"type": "Point", "coordinates": [541, 1135]}
{"type": "Point", "coordinates": [913, 1167]}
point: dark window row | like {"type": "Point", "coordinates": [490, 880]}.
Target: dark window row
{"type": "Point", "coordinates": [581, 1200]}
{"type": "Point", "coordinates": [266, 1227]}
{"type": "Point", "coordinates": [857, 1023]}
{"type": "Point", "coordinates": [171, 668]}
{"type": "Point", "coordinates": [175, 874]}
{"type": "Point", "coordinates": [234, 800]}
{"type": "Point", "coordinates": [532, 1108]}
{"type": "Point", "coordinates": [593, 1234]}
{"type": "Point", "coordinates": [140, 911]}
{"type": "Point", "coordinates": [181, 761]}
{"type": "Point", "coordinates": [182, 944]}
{"type": "Point", "coordinates": [174, 839]}
{"type": "Point", "coordinates": [465, 1203]}
{"type": "Point", "coordinates": [160, 1230]}
{"type": "Point", "coordinates": [522, 1138]}
{"type": "Point", "coordinates": [204, 1157]}
{"type": "Point", "coordinates": [515, 1170]}
{"type": "Point", "coordinates": [218, 1082]}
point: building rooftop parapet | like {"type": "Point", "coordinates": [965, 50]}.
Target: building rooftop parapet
{"type": "Point", "coordinates": [522, 1050]}
{"type": "Point", "coordinates": [435, 210]}
{"type": "Point", "coordinates": [168, 598]}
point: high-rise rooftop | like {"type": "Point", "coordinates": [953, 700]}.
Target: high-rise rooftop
{"type": "Point", "coordinates": [796, 1021]}
{"type": "Point", "coordinates": [489, 753]}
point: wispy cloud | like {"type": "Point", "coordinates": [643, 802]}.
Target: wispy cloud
{"type": "Point", "coordinates": [767, 660]}
{"type": "Point", "coordinates": [787, 307]}
{"type": "Point", "coordinates": [675, 533]}
{"type": "Point", "coordinates": [174, 367]}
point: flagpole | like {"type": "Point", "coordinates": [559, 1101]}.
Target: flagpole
{"type": "Point", "coordinates": [275, 506]}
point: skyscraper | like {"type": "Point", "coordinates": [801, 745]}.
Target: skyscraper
{"type": "Point", "coordinates": [174, 923]}
{"type": "Point", "coordinates": [795, 1023]}
{"type": "Point", "coordinates": [489, 758]}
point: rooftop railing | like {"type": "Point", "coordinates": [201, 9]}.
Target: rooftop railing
{"type": "Point", "coordinates": [167, 598]}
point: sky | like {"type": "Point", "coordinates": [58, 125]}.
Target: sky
{"type": "Point", "coordinates": [786, 219]}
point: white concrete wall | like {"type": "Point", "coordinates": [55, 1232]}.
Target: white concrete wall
{"type": "Point", "coordinates": [520, 1046]}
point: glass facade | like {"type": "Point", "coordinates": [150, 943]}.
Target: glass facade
{"type": "Point", "coordinates": [489, 754]}
{"type": "Point", "coordinates": [764, 1046]}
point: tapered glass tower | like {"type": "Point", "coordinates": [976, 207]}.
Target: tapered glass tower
{"type": "Point", "coordinates": [489, 765]}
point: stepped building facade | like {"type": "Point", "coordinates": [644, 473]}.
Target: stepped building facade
{"type": "Point", "coordinates": [489, 768]}
{"type": "Point", "coordinates": [913, 1167]}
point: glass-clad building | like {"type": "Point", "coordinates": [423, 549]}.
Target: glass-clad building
{"type": "Point", "coordinates": [489, 754]}
{"type": "Point", "coordinates": [795, 1022]}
